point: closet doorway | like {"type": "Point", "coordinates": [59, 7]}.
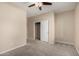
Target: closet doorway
{"type": "Point", "coordinates": [41, 30]}
{"type": "Point", "coordinates": [37, 30]}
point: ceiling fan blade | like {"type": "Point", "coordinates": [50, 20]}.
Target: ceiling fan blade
{"type": "Point", "coordinates": [47, 3]}
{"type": "Point", "coordinates": [40, 8]}
{"type": "Point", "coordinates": [31, 5]}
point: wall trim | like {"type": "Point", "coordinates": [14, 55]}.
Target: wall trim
{"type": "Point", "coordinates": [65, 42]}
{"type": "Point", "coordinates": [12, 48]}
{"type": "Point", "coordinates": [30, 38]}
{"type": "Point", "coordinates": [77, 50]}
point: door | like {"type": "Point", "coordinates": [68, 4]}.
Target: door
{"type": "Point", "coordinates": [37, 30]}
{"type": "Point", "coordinates": [44, 30]}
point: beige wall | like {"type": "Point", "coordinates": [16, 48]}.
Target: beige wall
{"type": "Point", "coordinates": [65, 27]}
{"type": "Point", "coordinates": [12, 27]}
{"type": "Point", "coordinates": [47, 16]}
{"type": "Point", "coordinates": [30, 28]}
{"type": "Point", "coordinates": [77, 28]}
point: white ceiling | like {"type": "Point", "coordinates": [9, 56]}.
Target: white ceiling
{"type": "Point", "coordinates": [57, 7]}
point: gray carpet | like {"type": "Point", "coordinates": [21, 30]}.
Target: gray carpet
{"type": "Point", "coordinates": [39, 48]}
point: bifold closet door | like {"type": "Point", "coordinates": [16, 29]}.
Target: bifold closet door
{"type": "Point", "coordinates": [44, 30]}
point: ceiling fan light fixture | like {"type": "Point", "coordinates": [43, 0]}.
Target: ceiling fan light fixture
{"type": "Point", "coordinates": [38, 4]}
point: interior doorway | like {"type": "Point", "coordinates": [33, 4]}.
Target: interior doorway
{"type": "Point", "coordinates": [37, 30]}
{"type": "Point", "coordinates": [41, 30]}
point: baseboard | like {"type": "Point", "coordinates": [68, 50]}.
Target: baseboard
{"type": "Point", "coordinates": [12, 48]}
{"type": "Point", "coordinates": [77, 50]}
{"type": "Point", "coordinates": [30, 39]}
{"type": "Point", "coordinates": [65, 42]}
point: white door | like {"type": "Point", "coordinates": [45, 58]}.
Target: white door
{"type": "Point", "coordinates": [44, 30]}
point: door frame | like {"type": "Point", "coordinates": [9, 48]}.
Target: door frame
{"type": "Point", "coordinates": [40, 29]}
{"type": "Point", "coordinates": [34, 28]}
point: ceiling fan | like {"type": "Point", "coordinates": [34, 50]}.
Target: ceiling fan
{"type": "Point", "coordinates": [40, 4]}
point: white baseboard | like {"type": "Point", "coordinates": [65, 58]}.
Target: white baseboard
{"type": "Point", "coordinates": [65, 43]}
{"type": "Point", "coordinates": [77, 50]}
{"type": "Point", "coordinates": [12, 49]}
{"type": "Point", "coordinates": [30, 39]}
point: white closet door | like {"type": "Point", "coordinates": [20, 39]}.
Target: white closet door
{"type": "Point", "coordinates": [44, 30]}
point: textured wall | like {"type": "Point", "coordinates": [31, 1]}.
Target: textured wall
{"type": "Point", "coordinates": [65, 27]}
{"type": "Point", "coordinates": [12, 27]}
{"type": "Point", "coordinates": [77, 28]}
{"type": "Point", "coordinates": [47, 16]}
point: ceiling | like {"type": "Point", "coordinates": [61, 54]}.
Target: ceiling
{"type": "Point", "coordinates": [57, 7]}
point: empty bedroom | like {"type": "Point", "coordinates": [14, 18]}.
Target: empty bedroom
{"type": "Point", "coordinates": [39, 29]}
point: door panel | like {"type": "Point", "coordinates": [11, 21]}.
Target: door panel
{"type": "Point", "coordinates": [44, 30]}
